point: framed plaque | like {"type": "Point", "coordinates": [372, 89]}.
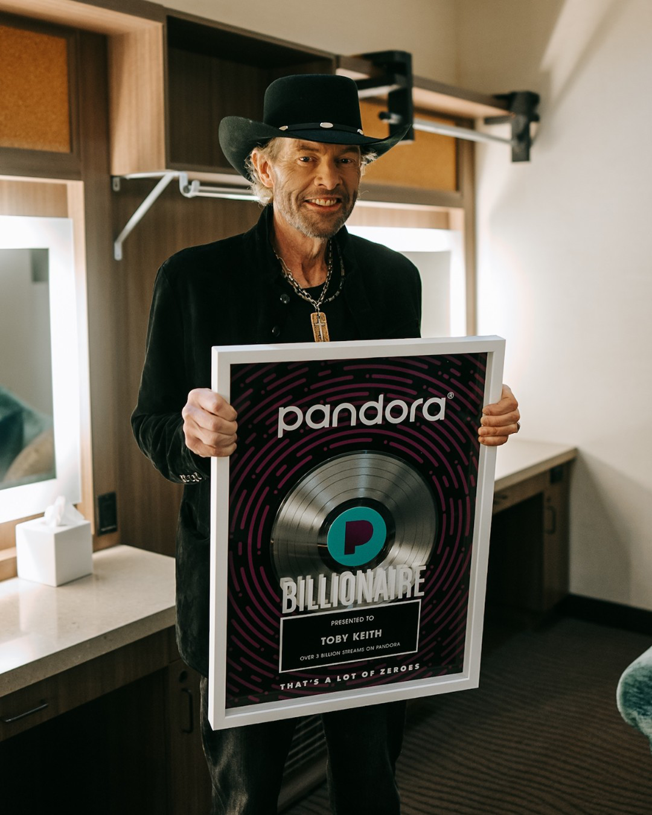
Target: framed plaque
{"type": "Point", "coordinates": [350, 528]}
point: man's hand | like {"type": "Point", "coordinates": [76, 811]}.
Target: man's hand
{"type": "Point", "coordinates": [500, 420]}
{"type": "Point", "coordinates": [209, 424]}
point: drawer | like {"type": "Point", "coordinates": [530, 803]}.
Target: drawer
{"type": "Point", "coordinates": [36, 703]}
{"type": "Point", "coordinates": [509, 497]}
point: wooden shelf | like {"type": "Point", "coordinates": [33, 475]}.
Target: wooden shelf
{"type": "Point", "coordinates": [102, 16]}
{"type": "Point", "coordinates": [432, 96]}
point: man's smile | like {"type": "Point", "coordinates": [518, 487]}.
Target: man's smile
{"type": "Point", "coordinates": [324, 203]}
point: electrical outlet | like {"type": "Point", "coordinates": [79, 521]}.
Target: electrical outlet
{"type": "Point", "coordinates": [107, 513]}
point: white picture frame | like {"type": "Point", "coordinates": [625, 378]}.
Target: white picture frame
{"type": "Point", "coordinates": [346, 693]}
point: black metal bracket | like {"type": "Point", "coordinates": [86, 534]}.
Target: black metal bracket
{"type": "Point", "coordinates": [395, 80]}
{"type": "Point", "coordinates": [522, 112]}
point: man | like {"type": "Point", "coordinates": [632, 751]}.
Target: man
{"type": "Point", "coordinates": [296, 276]}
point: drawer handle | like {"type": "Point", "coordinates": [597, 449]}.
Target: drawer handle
{"type": "Point", "coordinates": [11, 719]}
{"type": "Point", "coordinates": [552, 529]}
{"type": "Point", "coordinates": [190, 719]}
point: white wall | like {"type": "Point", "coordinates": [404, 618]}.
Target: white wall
{"type": "Point", "coordinates": [564, 265]}
{"type": "Point", "coordinates": [422, 27]}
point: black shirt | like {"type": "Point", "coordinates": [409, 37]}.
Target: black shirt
{"type": "Point", "coordinates": [298, 326]}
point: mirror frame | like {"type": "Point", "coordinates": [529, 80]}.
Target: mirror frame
{"type": "Point", "coordinates": [69, 346]}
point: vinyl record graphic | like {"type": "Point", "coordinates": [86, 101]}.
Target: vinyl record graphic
{"type": "Point", "coordinates": [357, 510]}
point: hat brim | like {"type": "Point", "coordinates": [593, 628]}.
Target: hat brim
{"type": "Point", "coordinates": [238, 137]}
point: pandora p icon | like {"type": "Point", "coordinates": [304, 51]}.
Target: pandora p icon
{"type": "Point", "coordinates": [356, 536]}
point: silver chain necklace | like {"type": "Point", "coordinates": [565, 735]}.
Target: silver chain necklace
{"type": "Point", "coordinates": [318, 318]}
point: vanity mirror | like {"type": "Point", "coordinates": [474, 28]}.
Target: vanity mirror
{"type": "Point", "coordinates": [40, 392]}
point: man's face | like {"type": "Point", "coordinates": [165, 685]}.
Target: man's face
{"type": "Point", "coordinates": [315, 185]}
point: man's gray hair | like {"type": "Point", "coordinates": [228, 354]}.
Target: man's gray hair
{"type": "Point", "coordinates": [270, 151]}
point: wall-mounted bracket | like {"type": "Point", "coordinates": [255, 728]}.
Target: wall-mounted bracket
{"type": "Point", "coordinates": [394, 78]}
{"type": "Point", "coordinates": [164, 180]}
{"type": "Point", "coordinates": [189, 189]}
{"type": "Point", "coordinates": [522, 112]}
{"type": "Point", "coordinates": [396, 81]}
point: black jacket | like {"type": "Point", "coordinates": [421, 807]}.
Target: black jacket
{"type": "Point", "coordinates": [227, 293]}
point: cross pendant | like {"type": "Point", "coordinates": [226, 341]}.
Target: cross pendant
{"type": "Point", "coordinates": [319, 327]}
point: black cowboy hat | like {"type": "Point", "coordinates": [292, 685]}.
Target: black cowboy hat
{"type": "Point", "coordinates": [314, 107]}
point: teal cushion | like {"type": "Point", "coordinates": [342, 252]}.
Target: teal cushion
{"type": "Point", "coordinates": [634, 694]}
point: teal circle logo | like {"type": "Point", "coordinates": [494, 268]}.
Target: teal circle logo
{"type": "Point", "coordinates": [356, 536]}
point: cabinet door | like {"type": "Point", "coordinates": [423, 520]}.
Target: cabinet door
{"type": "Point", "coordinates": [528, 558]}
{"type": "Point", "coordinates": [104, 757]}
{"type": "Point", "coordinates": [555, 537]}
{"type": "Point", "coordinates": [189, 788]}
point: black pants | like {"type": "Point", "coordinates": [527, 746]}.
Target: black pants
{"type": "Point", "coordinates": [246, 763]}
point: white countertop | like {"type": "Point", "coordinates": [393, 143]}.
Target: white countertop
{"type": "Point", "coordinates": [520, 459]}
{"type": "Point", "coordinates": [46, 630]}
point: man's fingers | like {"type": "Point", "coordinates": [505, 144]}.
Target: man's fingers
{"type": "Point", "coordinates": [501, 420]}
{"type": "Point", "coordinates": [506, 404]}
{"type": "Point", "coordinates": [210, 437]}
{"type": "Point", "coordinates": [502, 430]}
{"type": "Point", "coordinates": [209, 424]}
{"type": "Point", "coordinates": [493, 441]}
{"type": "Point", "coordinates": [208, 421]}
{"type": "Point", "coordinates": [206, 450]}
{"type": "Point", "coordinates": [212, 402]}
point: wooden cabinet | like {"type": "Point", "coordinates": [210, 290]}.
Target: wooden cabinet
{"type": "Point", "coordinates": [172, 84]}
{"type": "Point", "coordinates": [41, 701]}
{"type": "Point", "coordinates": [119, 733]}
{"type": "Point", "coordinates": [81, 741]}
{"type": "Point", "coordinates": [528, 559]}
{"type": "Point", "coordinates": [189, 786]}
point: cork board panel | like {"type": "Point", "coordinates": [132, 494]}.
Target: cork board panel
{"type": "Point", "coordinates": [430, 162]}
{"type": "Point", "coordinates": [34, 101]}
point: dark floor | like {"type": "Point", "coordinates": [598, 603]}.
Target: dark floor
{"type": "Point", "coordinates": [541, 735]}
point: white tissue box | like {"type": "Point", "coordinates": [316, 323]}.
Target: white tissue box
{"type": "Point", "coordinates": [53, 555]}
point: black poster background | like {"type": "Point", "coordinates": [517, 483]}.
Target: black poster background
{"type": "Point", "coordinates": [265, 468]}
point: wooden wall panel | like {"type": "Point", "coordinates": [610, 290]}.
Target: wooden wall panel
{"type": "Point", "coordinates": [395, 216]}
{"type": "Point", "coordinates": [33, 198]}
{"type": "Point", "coordinates": [137, 101]}
{"type": "Point", "coordinates": [101, 285]}
{"type": "Point", "coordinates": [76, 212]}
{"type": "Point", "coordinates": [148, 503]}
{"type": "Point", "coordinates": [202, 90]}
{"type": "Point", "coordinates": [465, 221]}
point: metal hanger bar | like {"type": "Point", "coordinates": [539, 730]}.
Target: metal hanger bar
{"type": "Point", "coordinates": [141, 211]}
{"type": "Point", "coordinates": [458, 132]}
{"type": "Point", "coordinates": [220, 192]}
{"type": "Point", "coordinates": [195, 189]}
{"type": "Point", "coordinates": [378, 90]}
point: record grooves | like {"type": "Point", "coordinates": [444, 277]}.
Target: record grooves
{"type": "Point", "coordinates": [382, 483]}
